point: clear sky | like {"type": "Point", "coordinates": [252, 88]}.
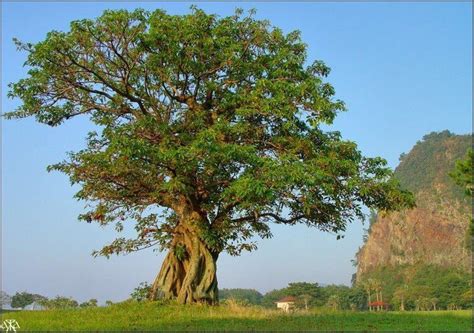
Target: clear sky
{"type": "Point", "coordinates": [403, 69]}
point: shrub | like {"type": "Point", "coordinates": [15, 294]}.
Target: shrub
{"type": "Point", "coordinates": [141, 292]}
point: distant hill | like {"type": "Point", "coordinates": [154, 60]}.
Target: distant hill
{"type": "Point", "coordinates": [436, 231]}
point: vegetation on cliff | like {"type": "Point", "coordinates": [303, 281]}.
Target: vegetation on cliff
{"type": "Point", "coordinates": [462, 173]}
{"type": "Point", "coordinates": [431, 161]}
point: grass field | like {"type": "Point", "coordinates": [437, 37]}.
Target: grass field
{"type": "Point", "coordinates": [155, 316]}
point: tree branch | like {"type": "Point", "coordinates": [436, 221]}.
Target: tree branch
{"type": "Point", "coordinates": [276, 217]}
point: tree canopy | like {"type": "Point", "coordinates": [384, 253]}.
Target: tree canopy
{"type": "Point", "coordinates": [304, 292]}
{"type": "Point", "coordinates": [20, 300]}
{"type": "Point", "coordinates": [209, 129]}
{"type": "Point", "coordinates": [251, 296]}
{"type": "Point", "coordinates": [431, 161]}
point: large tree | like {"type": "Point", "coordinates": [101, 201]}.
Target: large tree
{"type": "Point", "coordinates": [20, 300]}
{"type": "Point", "coordinates": [209, 129]}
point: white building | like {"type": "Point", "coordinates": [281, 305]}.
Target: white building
{"type": "Point", "coordinates": [35, 306]}
{"type": "Point", "coordinates": [286, 303]}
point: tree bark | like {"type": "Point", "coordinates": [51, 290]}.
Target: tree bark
{"type": "Point", "coordinates": [188, 273]}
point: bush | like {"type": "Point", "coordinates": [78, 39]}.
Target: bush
{"type": "Point", "coordinates": [60, 302]}
{"type": "Point", "coordinates": [141, 292]}
{"type": "Point", "coordinates": [89, 304]}
{"type": "Point", "coordinates": [20, 300]}
{"type": "Point", "coordinates": [252, 296]}
{"type": "Point", "coordinates": [235, 303]}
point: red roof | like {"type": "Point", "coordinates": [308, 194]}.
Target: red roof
{"type": "Point", "coordinates": [378, 303]}
{"type": "Point", "coordinates": [287, 299]}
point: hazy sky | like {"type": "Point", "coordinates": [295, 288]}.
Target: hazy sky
{"type": "Point", "coordinates": [403, 69]}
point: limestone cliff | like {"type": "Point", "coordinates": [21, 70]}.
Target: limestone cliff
{"type": "Point", "coordinates": [436, 231]}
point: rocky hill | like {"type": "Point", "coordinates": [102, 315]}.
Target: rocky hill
{"type": "Point", "coordinates": [436, 231]}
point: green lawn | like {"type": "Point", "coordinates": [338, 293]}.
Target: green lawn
{"type": "Point", "coordinates": [155, 316]}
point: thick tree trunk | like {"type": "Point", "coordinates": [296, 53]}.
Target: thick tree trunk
{"type": "Point", "coordinates": [188, 273]}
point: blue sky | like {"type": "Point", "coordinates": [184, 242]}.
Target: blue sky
{"type": "Point", "coordinates": [403, 69]}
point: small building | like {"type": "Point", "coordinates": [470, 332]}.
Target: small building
{"type": "Point", "coordinates": [286, 303]}
{"type": "Point", "coordinates": [379, 305]}
{"type": "Point", "coordinates": [35, 306]}
{"type": "Point", "coordinates": [8, 307]}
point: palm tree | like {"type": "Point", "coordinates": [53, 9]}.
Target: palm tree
{"type": "Point", "coordinates": [368, 288]}
{"type": "Point", "coordinates": [377, 286]}
{"type": "Point", "coordinates": [401, 294]}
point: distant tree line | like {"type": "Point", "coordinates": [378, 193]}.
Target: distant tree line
{"type": "Point", "coordinates": [308, 295]}
{"type": "Point", "coordinates": [250, 296]}
{"type": "Point", "coordinates": [22, 299]}
{"type": "Point", "coordinates": [420, 287]}
{"type": "Point", "coordinates": [427, 288]}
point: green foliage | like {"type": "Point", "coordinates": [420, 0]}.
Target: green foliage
{"type": "Point", "coordinates": [295, 289]}
{"type": "Point", "coordinates": [180, 252]}
{"type": "Point", "coordinates": [220, 116]}
{"type": "Point", "coordinates": [59, 302]}
{"type": "Point", "coordinates": [141, 292]}
{"type": "Point", "coordinates": [372, 220]}
{"type": "Point", "coordinates": [431, 161]}
{"type": "Point", "coordinates": [333, 302]}
{"type": "Point", "coordinates": [252, 296]}
{"type": "Point", "coordinates": [463, 173]}
{"type": "Point", "coordinates": [20, 300]}
{"type": "Point", "coordinates": [312, 295]}
{"type": "Point", "coordinates": [347, 298]}
{"type": "Point", "coordinates": [463, 176]}
{"type": "Point", "coordinates": [90, 303]}
{"type": "Point", "coordinates": [417, 284]}
{"type": "Point", "coordinates": [356, 299]}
